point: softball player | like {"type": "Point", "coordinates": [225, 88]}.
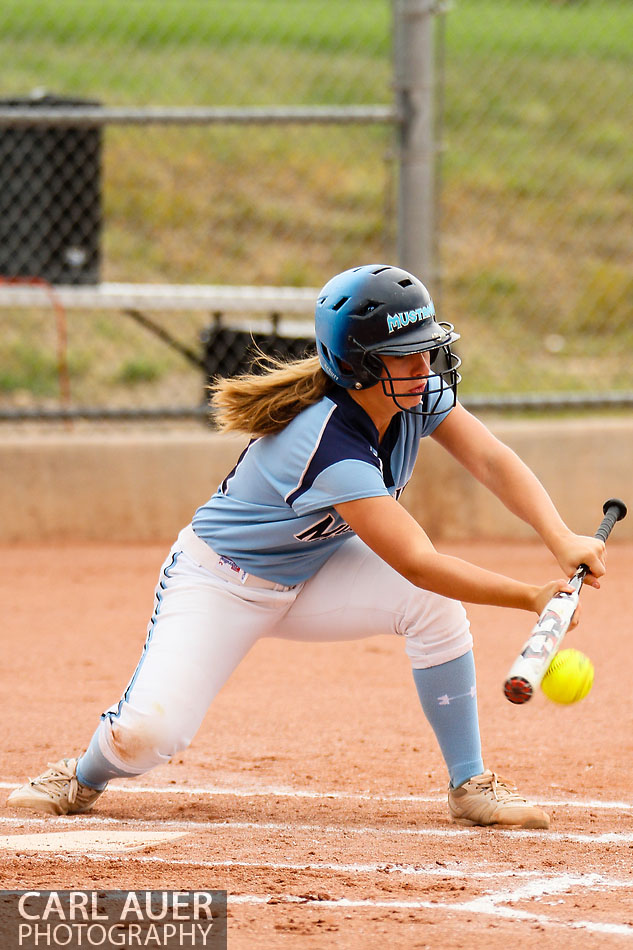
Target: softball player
{"type": "Point", "coordinates": [305, 540]}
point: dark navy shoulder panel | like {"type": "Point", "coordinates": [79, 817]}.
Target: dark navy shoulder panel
{"type": "Point", "coordinates": [387, 446]}
{"type": "Point", "coordinates": [348, 434]}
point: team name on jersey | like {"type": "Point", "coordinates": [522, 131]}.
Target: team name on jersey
{"type": "Point", "coordinates": [322, 529]}
{"type": "Point", "coordinates": [397, 321]}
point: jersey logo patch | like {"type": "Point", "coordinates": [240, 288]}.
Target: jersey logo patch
{"type": "Point", "coordinates": [322, 529]}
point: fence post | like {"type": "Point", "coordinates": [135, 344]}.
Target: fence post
{"type": "Point", "coordinates": [414, 75]}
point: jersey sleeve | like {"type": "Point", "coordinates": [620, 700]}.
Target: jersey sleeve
{"type": "Point", "coordinates": [346, 480]}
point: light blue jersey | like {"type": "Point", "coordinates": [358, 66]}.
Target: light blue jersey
{"type": "Point", "coordinates": [274, 513]}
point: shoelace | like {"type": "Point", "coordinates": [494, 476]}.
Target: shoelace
{"type": "Point", "coordinates": [502, 790]}
{"type": "Point", "coordinates": [56, 776]}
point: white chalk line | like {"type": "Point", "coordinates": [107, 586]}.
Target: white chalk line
{"type": "Point", "coordinates": [282, 791]}
{"type": "Point", "coordinates": [551, 885]}
{"type": "Point", "coordinates": [462, 872]}
{"type": "Point", "coordinates": [493, 904]}
{"type": "Point", "coordinates": [611, 837]}
{"type": "Point", "coordinates": [469, 907]}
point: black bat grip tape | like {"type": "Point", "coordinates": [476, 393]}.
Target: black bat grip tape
{"type": "Point", "coordinates": [614, 510]}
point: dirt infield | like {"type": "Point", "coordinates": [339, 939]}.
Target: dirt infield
{"type": "Point", "coordinates": [314, 793]}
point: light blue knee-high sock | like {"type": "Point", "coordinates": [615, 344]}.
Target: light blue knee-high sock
{"type": "Point", "coordinates": [448, 694]}
{"type": "Point", "coordinates": [94, 770]}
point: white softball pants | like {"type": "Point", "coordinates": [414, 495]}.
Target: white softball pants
{"type": "Point", "coordinates": [205, 621]}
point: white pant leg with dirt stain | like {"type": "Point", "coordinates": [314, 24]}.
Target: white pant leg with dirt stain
{"type": "Point", "coordinates": [203, 625]}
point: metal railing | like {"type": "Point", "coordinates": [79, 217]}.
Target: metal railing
{"type": "Point", "coordinates": [187, 115]}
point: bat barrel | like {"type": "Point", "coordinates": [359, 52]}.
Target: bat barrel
{"type": "Point", "coordinates": [530, 666]}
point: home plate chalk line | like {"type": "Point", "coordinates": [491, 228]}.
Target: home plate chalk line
{"type": "Point", "coordinates": [88, 840]}
{"type": "Point", "coordinates": [282, 791]}
{"type": "Point", "coordinates": [617, 838]}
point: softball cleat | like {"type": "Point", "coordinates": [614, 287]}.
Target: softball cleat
{"type": "Point", "coordinates": [55, 792]}
{"type": "Point", "coordinates": [488, 799]}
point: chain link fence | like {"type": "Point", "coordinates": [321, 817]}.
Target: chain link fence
{"type": "Point", "coordinates": [537, 193]}
{"type": "Point", "coordinates": [532, 103]}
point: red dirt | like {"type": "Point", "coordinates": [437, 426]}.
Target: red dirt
{"type": "Point", "coordinates": [341, 719]}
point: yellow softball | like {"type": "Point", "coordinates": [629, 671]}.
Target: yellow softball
{"type": "Point", "coordinates": [569, 677]}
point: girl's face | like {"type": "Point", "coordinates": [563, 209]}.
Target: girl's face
{"type": "Point", "coordinates": [402, 385]}
{"type": "Point", "coordinates": [408, 391]}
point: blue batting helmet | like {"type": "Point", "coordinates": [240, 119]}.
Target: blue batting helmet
{"type": "Point", "coordinates": [380, 310]}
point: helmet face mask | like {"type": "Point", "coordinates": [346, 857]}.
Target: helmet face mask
{"type": "Point", "coordinates": [437, 382]}
{"type": "Point", "coordinates": [378, 310]}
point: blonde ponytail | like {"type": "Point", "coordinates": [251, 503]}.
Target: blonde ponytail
{"type": "Point", "coordinates": [264, 403]}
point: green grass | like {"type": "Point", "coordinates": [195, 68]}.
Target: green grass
{"type": "Point", "coordinates": [537, 191]}
{"type": "Point", "coordinates": [137, 370]}
{"type": "Point", "coordinates": [193, 52]}
{"type": "Point", "coordinates": [326, 25]}
{"type": "Point", "coordinates": [537, 181]}
{"type": "Point", "coordinates": [28, 368]}
{"type": "Point", "coordinates": [583, 30]}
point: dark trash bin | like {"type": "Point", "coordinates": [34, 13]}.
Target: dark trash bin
{"type": "Point", "coordinates": [50, 196]}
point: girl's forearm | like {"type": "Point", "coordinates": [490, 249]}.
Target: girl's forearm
{"type": "Point", "coordinates": [461, 580]}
